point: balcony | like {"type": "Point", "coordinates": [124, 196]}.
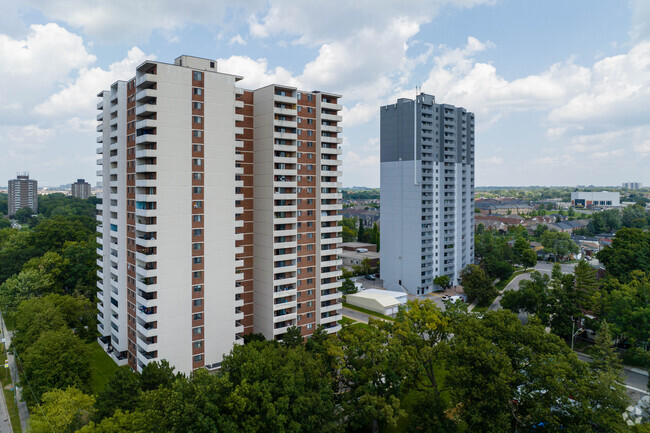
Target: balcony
{"type": "Point", "coordinates": [285, 135]}
{"type": "Point", "coordinates": [335, 285]}
{"type": "Point", "coordinates": [145, 95]}
{"type": "Point", "coordinates": [146, 79]}
{"type": "Point", "coordinates": [146, 182]}
{"type": "Point", "coordinates": [335, 140]}
{"type": "Point", "coordinates": [285, 99]}
{"type": "Point", "coordinates": [330, 218]}
{"type": "Point", "coordinates": [145, 357]}
{"type": "Point", "coordinates": [332, 307]}
{"type": "Point", "coordinates": [146, 123]}
{"type": "Point", "coordinates": [146, 138]}
{"type": "Point", "coordinates": [285, 147]}
{"type": "Point", "coordinates": [288, 281]}
{"type": "Point", "coordinates": [145, 109]}
{"type": "Point", "coordinates": [146, 257]}
{"type": "Point", "coordinates": [331, 319]}
{"type": "Point", "coordinates": [333, 329]}
{"type": "Point", "coordinates": [119, 358]}
{"type": "Point", "coordinates": [146, 314]}
{"type": "Point", "coordinates": [146, 329]}
{"type": "Point", "coordinates": [326, 207]}
{"type": "Point", "coordinates": [332, 297]}
{"type": "Point", "coordinates": [285, 305]}
{"type": "Point", "coordinates": [151, 287]}
{"type": "Point", "coordinates": [280, 293]}
{"type": "Point", "coordinates": [329, 106]}
{"type": "Point", "coordinates": [284, 317]}
{"type": "Point", "coordinates": [331, 117]}
{"type": "Point", "coordinates": [330, 150]}
{"type": "Point", "coordinates": [331, 128]}
{"type": "Point", "coordinates": [285, 160]}
{"type": "Point", "coordinates": [332, 274]}
{"type": "Point", "coordinates": [285, 123]}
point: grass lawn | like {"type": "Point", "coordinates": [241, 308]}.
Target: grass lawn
{"type": "Point", "coordinates": [347, 321]}
{"type": "Point", "coordinates": [102, 367]}
{"type": "Point", "coordinates": [5, 380]}
{"type": "Point", "coordinates": [368, 312]}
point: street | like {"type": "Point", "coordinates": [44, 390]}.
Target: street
{"type": "Point", "coordinates": [636, 380]}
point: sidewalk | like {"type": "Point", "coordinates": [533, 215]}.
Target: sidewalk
{"type": "Point", "coordinates": [5, 423]}
{"type": "Point", "coordinates": [22, 406]}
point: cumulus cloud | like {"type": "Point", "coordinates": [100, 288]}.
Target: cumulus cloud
{"type": "Point", "coordinates": [80, 95]}
{"type": "Point", "coordinates": [32, 66]}
{"type": "Point", "coordinates": [237, 39]}
{"type": "Point", "coordinates": [256, 73]}
{"type": "Point", "coordinates": [126, 19]}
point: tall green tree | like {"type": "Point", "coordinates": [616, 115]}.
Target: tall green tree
{"type": "Point", "coordinates": [58, 359]}
{"type": "Point", "coordinates": [477, 284]}
{"type": "Point", "coordinates": [64, 411]}
{"type": "Point", "coordinates": [157, 374]}
{"type": "Point", "coordinates": [372, 370]}
{"type": "Point", "coordinates": [121, 392]}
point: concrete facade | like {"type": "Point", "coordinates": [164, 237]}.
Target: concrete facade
{"type": "Point", "coordinates": [588, 199]}
{"type": "Point", "coordinates": [23, 192]}
{"type": "Point", "coordinates": [201, 215]}
{"type": "Point", "coordinates": [80, 189]}
{"type": "Point", "coordinates": [427, 193]}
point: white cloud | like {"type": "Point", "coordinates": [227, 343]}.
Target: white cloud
{"type": "Point", "coordinates": [125, 19]}
{"type": "Point", "coordinates": [237, 39]}
{"type": "Point", "coordinates": [640, 19]}
{"type": "Point", "coordinates": [315, 23]}
{"type": "Point", "coordinates": [79, 97]}
{"type": "Point", "coordinates": [256, 73]}
{"type": "Point", "coordinates": [32, 66]}
{"type": "Point", "coordinates": [493, 160]}
{"type": "Point", "coordinates": [617, 95]}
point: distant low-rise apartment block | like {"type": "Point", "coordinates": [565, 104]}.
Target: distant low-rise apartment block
{"type": "Point", "coordinates": [219, 213]}
{"type": "Point", "coordinates": [632, 185]}
{"type": "Point", "coordinates": [587, 199]}
{"type": "Point", "coordinates": [80, 189]}
{"type": "Point", "coordinates": [427, 193]}
{"type": "Point", "coordinates": [23, 193]}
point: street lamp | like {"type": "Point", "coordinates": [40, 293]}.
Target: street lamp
{"type": "Point", "coordinates": [574, 333]}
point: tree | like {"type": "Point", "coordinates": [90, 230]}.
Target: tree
{"type": "Point", "coordinates": [293, 337]}
{"type": "Point", "coordinates": [502, 380]}
{"type": "Point", "coordinates": [477, 284]}
{"type": "Point", "coordinates": [349, 232]}
{"type": "Point", "coordinates": [348, 287]}
{"type": "Point", "coordinates": [317, 342]}
{"type": "Point", "coordinates": [121, 422]}
{"type": "Point", "coordinates": [4, 222]}
{"type": "Point", "coordinates": [23, 215]}
{"type": "Point", "coordinates": [58, 359]}
{"type": "Point", "coordinates": [540, 230]}
{"type": "Point", "coordinates": [558, 244]}
{"type": "Point", "coordinates": [604, 357]}
{"type": "Point", "coordinates": [586, 282]}
{"type": "Point", "coordinates": [532, 297]}
{"type": "Point", "coordinates": [121, 392]}
{"type": "Point", "coordinates": [630, 251]}
{"type": "Point", "coordinates": [23, 286]}
{"type": "Point", "coordinates": [156, 375]}
{"type": "Point", "coordinates": [372, 372]}
{"type": "Point", "coordinates": [520, 246]}
{"type": "Point", "coordinates": [442, 281]}
{"type": "Point", "coordinates": [528, 258]}
{"type": "Point", "coordinates": [64, 411]}
{"type": "Point", "coordinates": [361, 236]}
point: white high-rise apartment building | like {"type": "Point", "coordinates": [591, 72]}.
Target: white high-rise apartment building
{"type": "Point", "coordinates": [427, 193]}
{"type": "Point", "coordinates": [202, 230]}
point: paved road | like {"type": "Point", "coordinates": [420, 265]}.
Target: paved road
{"type": "Point", "coordinates": [544, 268]}
{"type": "Point", "coordinates": [355, 315]}
{"type": "Point", "coordinates": [636, 380]}
{"type": "Point", "coordinates": [22, 406]}
{"type": "Point", "coordinates": [5, 424]}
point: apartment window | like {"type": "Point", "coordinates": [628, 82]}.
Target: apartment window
{"type": "Point", "coordinates": [310, 132]}
{"type": "Point", "coordinates": [310, 303]}
{"type": "Point", "coordinates": [310, 144]}
{"type": "Point", "coordinates": [197, 344]}
{"type": "Point", "coordinates": [310, 110]}
{"type": "Point", "coordinates": [309, 200]}
{"type": "Point", "coordinates": [310, 190]}
{"type": "Point", "coordinates": [197, 105]}
{"type": "Point", "coordinates": [197, 119]}
{"type": "Point", "coordinates": [197, 274]}
{"type": "Point", "coordinates": [197, 288]}
{"type": "Point", "coordinates": [310, 121]}
{"type": "Point", "coordinates": [300, 144]}
{"type": "Point", "coordinates": [197, 260]}
{"type": "Point", "coordinates": [198, 330]}
{"type": "Point", "coordinates": [197, 133]}
{"type": "Point", "coordinates": [310, 292]}
{"type": "Point", "coordinates": [310, 235]}
{"type": "Point", "coordinates": [197, 90]}
{"type": "Point", "coordinates": [197, 176]}
{"type": "Point", "coordinates": [197, 76]}
{"type": "Point", "coordinates": [298, 95]}
{"type": "Point", "coordinates": [197, 316]}
{"type": "Point", "coordinates": [310, 156]}
{"type": "Point", "coordinates": [300, 118]}
{"type": "Point", "coordinates": [197, 189]}
{"type": "Point", "coordinates": [310, 325]}
{"type": "Point", "coordinates": [197, 218]}
{"type": "Point", "coordinates": [310, 97]}
{"type": "Point", "coordinates": [310, 280]}
{"type": "Point", "coordinates": [197, 161]}
{"type": "Point", "coordinates": [197, 232]}
{"type": "Point", "coordinates": [197, 246]}
{"type": "Point", "coordinates": [197, 302]}
{"type": "Point", "coordinates": [309, 315]}
{"type": "Point", "coordinates": [198, 204]}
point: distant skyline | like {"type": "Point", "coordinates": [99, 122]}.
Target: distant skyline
{"type": "Point", "coordinates": [561, 90]}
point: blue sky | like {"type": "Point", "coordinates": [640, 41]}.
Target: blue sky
{"type": "Point", "coordinates": [561, 90]}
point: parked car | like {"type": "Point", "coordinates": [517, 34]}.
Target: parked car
{"type": "Point", "coordinates": [370, 277]}
{"type": "Point", "coordinates": [446, 297]}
